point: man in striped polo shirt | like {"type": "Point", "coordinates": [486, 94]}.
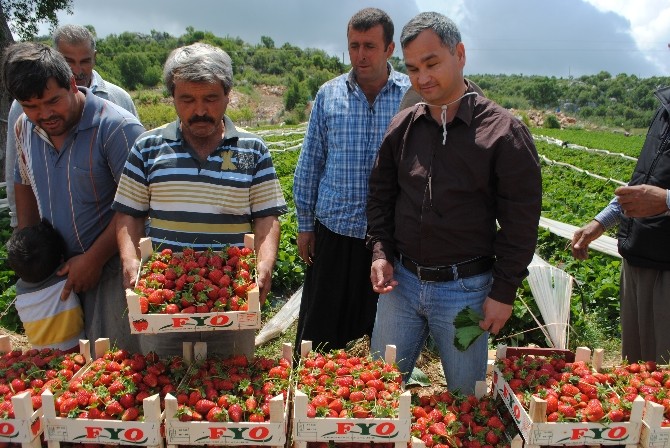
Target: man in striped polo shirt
{"type": "Point", "coordinates": [72, 146]}
{"type": "Point", "coordinates": [202, 182]}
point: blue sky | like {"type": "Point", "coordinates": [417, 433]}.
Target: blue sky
{"type": "Point", "coordinates": [531, 37]}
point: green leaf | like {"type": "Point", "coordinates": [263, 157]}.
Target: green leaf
{"type": "Point", "coordinates": [467, 328]}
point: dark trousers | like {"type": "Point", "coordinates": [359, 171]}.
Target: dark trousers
{"type": "Point", "coordinates": [338, 304]}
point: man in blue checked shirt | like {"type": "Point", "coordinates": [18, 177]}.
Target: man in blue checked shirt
{"type": "Point", "coordinates": [349, 117]}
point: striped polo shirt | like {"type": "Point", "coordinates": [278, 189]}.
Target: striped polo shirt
{"type": "Point", "coordinates": [75, 186]}
{"type": "Point", "coordinates": [199, 204]}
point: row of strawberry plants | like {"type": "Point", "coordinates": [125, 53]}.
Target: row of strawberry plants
{"type": "Point", "coordinates": [603, 165]}
{"type": "Point", "coordinates": [610, 141]}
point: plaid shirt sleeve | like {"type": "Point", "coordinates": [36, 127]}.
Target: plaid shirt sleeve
{"type": "Point", "coordinates": [310, 167]}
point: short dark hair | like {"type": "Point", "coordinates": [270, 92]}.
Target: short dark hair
{"type": "Point", "coordinates": [443, 26]}
{"type": "Point", "coordinates": [368, 18]}
{"type": "Point", "coordinates": [35, 252]}
{"type": "Point", "coordinates": [27, 67]}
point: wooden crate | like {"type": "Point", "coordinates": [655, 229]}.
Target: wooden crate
{"type": "Point", "coordinates": [27, 425]}
{"type": "Point", "coordinates": [110, 432]}
{"type": "Point", "coordinates": [154, 323]}
{"type": "Point", "coordinates": [272, 433]}
{"type": "Point", "coordinates": [532, 423]}
{"type": "Point", "coordinates": [653, 434]}
{"type": "Point", "coordinates": [342, 430]}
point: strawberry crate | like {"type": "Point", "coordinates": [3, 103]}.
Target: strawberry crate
{"type": "Point", "coordinates": [377, 430]}
{"type": "Point", "coordinates": [532, 422]}
{"type": "Point", "coordinates": [654, 434]}
{"type": "Point", "coordinates": [477, 414]}
{"type": "Point", "coordinates": [196, 432]}
{"type": "Point", "coordinates": [157, 323]}
{"type": "Point", "coordinates": [108, 431]}
{"type": "Point", "coordinates": [27, 424]}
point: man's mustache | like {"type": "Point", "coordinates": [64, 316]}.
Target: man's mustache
{"type": "Point", "coordinates": [201, 119]}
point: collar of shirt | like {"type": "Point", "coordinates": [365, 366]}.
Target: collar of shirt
{"type": "Point", "coordinates": [465, 112]}
{"type": "Point", "coordinates": [393, 78]}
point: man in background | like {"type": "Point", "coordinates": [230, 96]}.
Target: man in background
{"type": "Point", "coordinates": [77, 45]}
{"type": "Point", "coordinates": [348, 120]}
{"type": "Point", "coordinates": [641, 210]}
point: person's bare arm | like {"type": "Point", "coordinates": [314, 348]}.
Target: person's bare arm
{"type": "Point", "coordinates": [27, 212]}
{"type": "Point", "coordinates": [266, 240]}
{"type": "Point", "coordinates": [129, 230]}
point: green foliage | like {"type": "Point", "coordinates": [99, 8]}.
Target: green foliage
{"type": "Point", "coordinates": [552, 122]}
{"type": "Point", "coordinates": [153, 116]}
{"type": "Point", "coordinates": [132, 67]}
{"type": "Point", "coordinates": [609, 166]}
{"type": "Point", "coordinates": [24, 16]}
{"type": "Point", "coordinates": [9, 318]}
{"type": "Point", "coordinates": [614, 142]}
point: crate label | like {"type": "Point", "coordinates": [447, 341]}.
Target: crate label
{"type": "Point", "coordinates": [353, 430]}
{"type": "Point", "coordinates": [164, 323]}
{"type": "Point", "coordinates": [220, 434]}
{"type": "Point", "coordinates": [20, 431]}
{"type": "Point", "coordinates": [101, 431]}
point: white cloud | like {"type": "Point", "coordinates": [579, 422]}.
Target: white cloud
{"type": "Point", "coordinates": [649, 27]}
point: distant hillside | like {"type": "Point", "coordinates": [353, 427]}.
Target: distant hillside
{"type": "Point", "coordinates": [135, 61]}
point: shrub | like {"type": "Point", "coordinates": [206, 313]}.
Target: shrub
{"type": "Point", "coordinates": [552, 122]}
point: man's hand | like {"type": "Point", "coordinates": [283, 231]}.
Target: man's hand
{"type": "Point", "coordinates": [583, 237]}
{"type": "Point", "coordinates": [306, 246]}
{"type": "Point", "coordinates": [130, 268]}
{"type": "Point", "coordinates": [495, 315]}
{"type": "Point", "coordinates": [263, 280]}
{"type": "Point", "coordinates": [641, 201]}
{"type": "Point", "coordinates": [83, 273]}
{"type": "Point", "coordinates": [381, 276]}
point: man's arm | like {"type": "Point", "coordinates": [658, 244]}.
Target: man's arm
{"type": "Point", "coordinates": [266, 240]}
{"type": "Point", "coordinates": [83, 271]}
{"type": "Point", "coordinates": [129, 230]}
{"type": "Point", "coordinates": [10, 159]}
{"type": "Point", "coordinates": [308, 172]}
{"type": "Point", "coordinates": [27, 212]}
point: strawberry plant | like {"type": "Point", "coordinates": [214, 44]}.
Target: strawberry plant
{"type": "Point", "coordinates": [340, 385]}
{"type": "Point", "coordinates": [196, 282]}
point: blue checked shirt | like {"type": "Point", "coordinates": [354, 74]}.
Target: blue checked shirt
{"type": "Point", "coordinates": [610, 216]}
{"type": "Point", "coordinates": [339, 150]}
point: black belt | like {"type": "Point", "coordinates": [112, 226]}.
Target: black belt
{"type": "Point", "coordinates": [448, 273]}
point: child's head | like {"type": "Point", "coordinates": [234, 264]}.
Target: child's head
{"type": "Point", "coordinates": [35, 252]}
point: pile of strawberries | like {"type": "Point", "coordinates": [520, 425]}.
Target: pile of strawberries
{"type": "Point", "coordinates": [575, 392]}
{"type": "Point", "coordinates": [341, 385]}
{"type": "Point", "coordinates": [446, 419]}
{"type": "Point", "coordinates": [34, 371]}
{"type": "Point", "coordinates": [233, 389]}
{"type": "Point", "coordinates": [196, 282]}
{"type": "Point", "coordinates": [646, 379]}
{"type": "Point", "coordinates": [113, 386]}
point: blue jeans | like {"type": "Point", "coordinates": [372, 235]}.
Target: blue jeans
{"type": "Point", "coordinates": [415, 308]}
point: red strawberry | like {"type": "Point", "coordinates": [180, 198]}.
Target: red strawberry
{"type": "Point", "coordinates": [130, 414]}
{"type": "Point", "coordinates": [216, 414]}
{"type": "Point", "coordinates": [235, 413]}
{"type": "Point", "coordinates": [203, 406]}
{"type": "Point", "coordinates": [114, 408]}
{"type": "Point", "coordinates": [144, 305]}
